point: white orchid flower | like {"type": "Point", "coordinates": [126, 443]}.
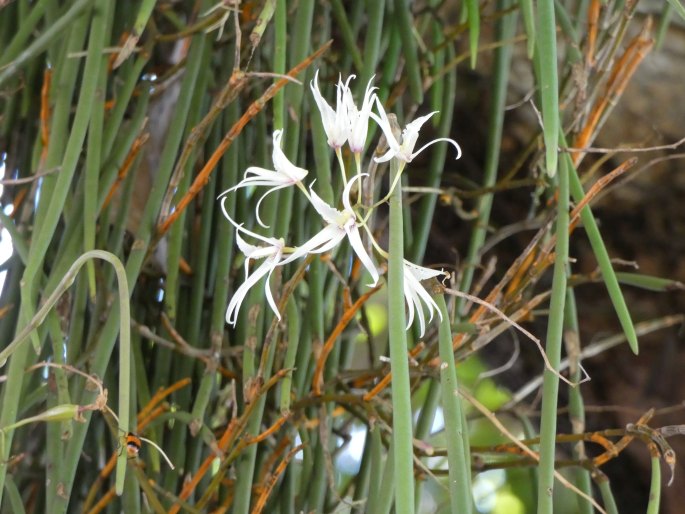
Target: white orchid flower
{"type": "Point", "coordinates": [359, 118]}
{"type": "Point", "coordinates": [415, 293]}
{"type": "Point", "coordinates": [340, 224]}
{"type": "Point", "coordinates": [285, 174]}
{"type": "Point", "coordinates": [405, 150]}
{"type": "Point", "coordinates": [335, 122]}
{"type": "Point", "coordinates": [272, 255]}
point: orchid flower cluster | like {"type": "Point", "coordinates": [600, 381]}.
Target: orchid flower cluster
{"type": "Point", "coordinates": [345, 124]}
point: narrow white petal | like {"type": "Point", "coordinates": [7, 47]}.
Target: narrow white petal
{"type": "Point", "coordinates": [359, 118]}
{"type": "Point", "coordinates": [239, 295]}
{"type": "Point", "coordinates": [426, 297]}
{"type": "Point", "coordinates": [415, 126]}
{"type": "Point", "coordinates": [245, 247]}
{"type": "Point", "coordinates": [328, 213]}
{"type": "Point", "coordinates": [282, 163]}
{"type": "Point", "coordinates": [369, 96]}
{"type": "Point", "coordinates": [259, 203]}
{"type": "Point", "coordinates": [410, 135]}
{"type": "Point", "coordinates": [270, 241]}
{"type": "Point", "coordinates": [273, 262]}
{"type": "Point", "coordinates": [247, 250]}
{"type": "Point", "coordinates": [410, 304]}
{"type": "Point", "coordinates": [416, 295]}
{"type": "Point", "coordinates": [298, 252]}
{"type": "Point", "coordinates": [446, 139]}
{"type": "Point", "coordinates": [358, 247]}
{"type": "Point", "coordinates": [261, 252]}
{"type": "Point", "coordinates": [346, 192]}
{"type": "Point", "coordinates": [326, 111]}
{"type": "Point", "coordinates": [226, 215]}
{"type": "Point", "coordinates": [422, 318]}
{"type": "Point", "coordinates": [386, 156]}
{"type": "Point", "coordinates": [414, 305]}
{"type": "Point", "coordinates": [255, 176]}
{"type": "Point", "coordinates": [264, 174]}
{"type": "Point", "coordinates": [420, 272]}
{"type": "Point", "coordinates": [234, 305]}
{"type": "Point", "coordinates": [384, 124]}
{"type": "Point", "coordinates": [327, 239]}
{"type": "Point", "coordinates": [335, 122]}
{"type": "Point", "coordinates": [416, 274]}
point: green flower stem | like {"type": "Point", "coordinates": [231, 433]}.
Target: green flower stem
{"type": "Point", "coordinates": [372, 43]}
{"type": "Point", "coordinates": [390, 63]}
{"type": "Point", "coordinates": [317, 488]}
{"type": "Point", "coordinates": [250, 331]}
{"type": "Point", "coordinates": [399, 364]}
{"type": "Point", "coordinates": [459, 464]}
{"type": "Point", "coordinates": [93, 163]}
{"type": "Point", "coordinates": [26, 26]}
{"type": "Point", "coordinates": [580, 15]}
{"type": "Point", "coordinates": [322, 160]}
{"type": "Point", "coordinates": [574, 54]}
{"type": "Point", "coordinates": [225, 236]}
{"type": "Point", "coordinates": [43, 41]}
{"type": "Point", "coordinates": [526, 7]}
{"type": "Point", "coordinates": [505, 31]}
{"type": "Point", "coordinates": [403, 16]}
{"type": "Point", "coordinates": [265, 15]}
{"type": "Point", "coordinates": [130, 79]}
{"type": "Point", "coordinates": [473, 11]}
{"type": "Point", "coordinates": [175, 297]}
{"type": "Point", "coordinates": [87, 97]}
{"type": "Point", "coordinates": [107, 335]}
{"type": "Point", "coordinates": [607, 495]}
{"type": "Point", "coordinates": [280, 41]}
{"type": "Point", "coordinates": [426, 207]}
{"type": "Point", "coordinates": [55, 431]}
{"type": "Point", "coordinates": [440, 57]}
{"type": "Point", "coordinates": [16, 502]}
{"type": "Point", "coordinates": [299, 48]}
{"type": "Point", "coordinates": [678, 6]}
{"type": "Point", "coordinates": [376, 452]}
{"type": "Point", "coordinates": [664, 24]}
{"type": "Point", "coordinates": [290, 353]}
{"type": "Point", "coordinates": [200, 264]}
{"type": "Point", "coordinates": [655, 483]}
{"type": "Point", "coordinates": [381, 503]}
{"type": "Point", "coordinates": [548, 81]}
{"type": "Point", "coordinates": [425, 422]}
{"type": "Point", "coordinates": [16, 346]}
{"type": "Point", "coordinates": [550, 383]}
{"type": "Point", "coordinates": [343, 25]}
{"type": "Point", "coordinates": [247, 461]}
{"type": "Point", "coordinates": [78, 319]}
{"type": "Point", "coordinates": [575, 404]}
{"type": "Point", "coordinates": [19, 361]}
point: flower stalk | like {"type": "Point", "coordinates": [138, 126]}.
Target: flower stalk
{"type": "Point", "coordinates": [399, 364]}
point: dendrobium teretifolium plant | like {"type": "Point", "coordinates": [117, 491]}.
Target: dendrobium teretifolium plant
{"type": "Point", "coordinates": [345, 124]}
